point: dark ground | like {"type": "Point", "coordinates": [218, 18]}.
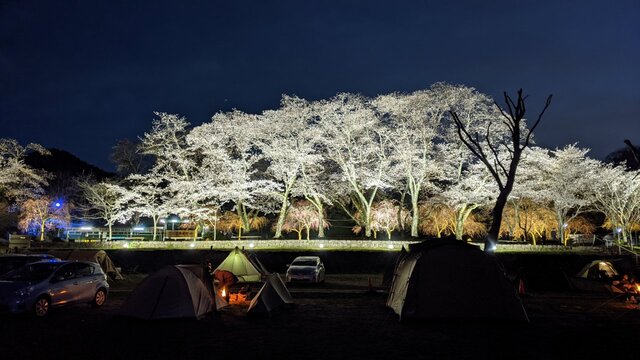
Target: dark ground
{"type": "Point", "coordinates": [337, 320]}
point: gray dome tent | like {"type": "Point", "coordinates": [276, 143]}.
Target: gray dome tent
{"type": "Point", "coordinates": [452, 279]}
{"type": "Point", "coordinates": [171, 292]}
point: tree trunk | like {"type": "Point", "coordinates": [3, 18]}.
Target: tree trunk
{"type": "Point", "coordinates": [283, 214]}
{"type": "Point", "coordinates": [561, 228]}
{"type": "Point", "coordinates": [215, 227]}
{"type": "Point", "coordinates": [155, 225]}
{"type": "Point", "coordinates": [321, 222]}
{"type": "Point", "coordinates": [320, 208]}
{"type": "Point", "coordinates": [415, 211]}
{"type": "Point", "coordinates": [494, 230]}
{"type": "Point", "coordinates": [42, 226]}
{"type": "Point", "coordinates": [366, 218]}
{"type": "Point", "coordinates": [110, 236]}
{"type": "Point", "coordinates": [399, 214]}
{"type": "Point", "coordinates": [308, 231]}
{"type": "Point", "coordinates": [461, 218]}
{"type": "Point", "coordinates": [242, 213]}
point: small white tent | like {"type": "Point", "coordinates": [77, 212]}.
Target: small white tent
{"type": "Point", "coordinates": [171, 292]}
{"type": "Point", "coordinates": [272, 295]}
{"type": "Point", "coordinates": [452, 279]}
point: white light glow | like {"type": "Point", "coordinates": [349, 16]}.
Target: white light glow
{"type": "Point", "coordinates": [321, 246]}
{"type": "Point", "coordinates": [138, 228]}
{"type": "Point", "coordinates": [192, 245]}
{"type": "Point", "coordinates": [390, 246]}
{"type": "Point", "coordinates": [252, 245]}
{"type": "Point", "coordinates": [86, 228]}
{"type": "Point", "coordinates": [125, 245]}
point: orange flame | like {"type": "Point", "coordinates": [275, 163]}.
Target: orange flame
{"type": "Point", "coordinates": [638, 288]}
{"type": "Point", "coordinates": [224, 292]}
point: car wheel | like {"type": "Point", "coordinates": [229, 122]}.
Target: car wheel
{"type": "Point", "coordinates": [100, 298]}
{"type": "Point", "coordinates": [41, 306]}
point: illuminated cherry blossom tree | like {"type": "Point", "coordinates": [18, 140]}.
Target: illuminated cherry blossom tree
{"type": "Point", "coordinates": [105, 201]}
{"type": "Point", "coordinates": [43, 213]}
{"type": "Point", "coordinates": [17, 179]}
{"type": "Point", "coordinates": [470, 188]}
{"type": "Point", "coordinates": [230, 166]}
{"type": "Point", "coordinates": [359, 148]}
{"type": "Point", "coordinates": [413, 120]}
{"type": "Point", "coordinates": [562, 178]}
{"type": "Point", "coordinates": [288, 143]}
{"type": "Point", "coordinates": [166, 142]}
{"type": "Point", "coordinates": [303, 216]}
{"type": "Point", "coordinates": [313, 185]}
{"type": "Point", "coordinates": [616, 193]}
{"type": "Point", "coordinates": [149, 198]}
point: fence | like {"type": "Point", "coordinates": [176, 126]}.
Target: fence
{"type": "Point", "coordinates": [117, 233]}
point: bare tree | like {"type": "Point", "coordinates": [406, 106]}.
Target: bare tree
{"type": "Point", "coordinates": [635, 152]}
{"type": "Point", "coordinates": [129, 159]}
{"type": "Point", "coordinates": [501, 165]}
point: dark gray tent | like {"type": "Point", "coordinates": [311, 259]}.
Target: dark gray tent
{"type": "Point", "coordinates": [171, 292]}
{"type": "Point", "coordinates": [452, 279]}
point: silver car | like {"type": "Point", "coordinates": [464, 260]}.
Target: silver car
{"type": "Point", "coordinates": [306, 268]}
{"type": "Point", "coordinates": [41, 285]}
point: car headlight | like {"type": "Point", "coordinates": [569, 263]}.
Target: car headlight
{"type": "Point", "coordinates": [25, 291]}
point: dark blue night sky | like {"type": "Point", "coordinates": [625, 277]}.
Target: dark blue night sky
{"type": "Point", "coordinates": [78, 75]}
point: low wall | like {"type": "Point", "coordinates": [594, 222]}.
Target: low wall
{"type": "Point", "coordinates": [296, 245]}
{"type": "Point", "coordinates": [293, 245]}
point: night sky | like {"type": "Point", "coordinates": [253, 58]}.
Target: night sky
{"type": "Point", "coordinates": [79, 75]}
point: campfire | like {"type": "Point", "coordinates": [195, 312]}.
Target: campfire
{"type": "Point", "coordinates": [237, 298]}
{"type": "Point", "coordinates": [234, 298]}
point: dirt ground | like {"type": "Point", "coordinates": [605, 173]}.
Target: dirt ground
{"type": "Point", "coordinates": [336, 320]}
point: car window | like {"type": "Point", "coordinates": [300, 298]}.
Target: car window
{"type": "Point", "coordinates": [11, 263]}
{"type": "Point", "coordinates": [304, 263]}
{"type": "Point", "coordinates": [32, 272]}
{"type": "Point", "coordinates": [83, 269]}
{"type": "Point", "coordinates": [67, 271]}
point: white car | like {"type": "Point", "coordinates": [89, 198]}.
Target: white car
{"type": "Point", "coordinates": [306, 268]}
